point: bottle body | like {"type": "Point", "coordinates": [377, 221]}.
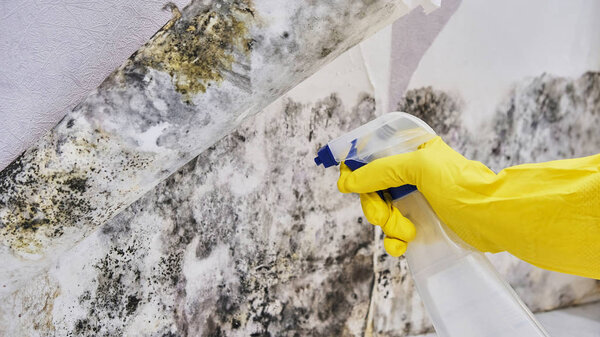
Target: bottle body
{"type": "Point", "coordinates": [460, 288]}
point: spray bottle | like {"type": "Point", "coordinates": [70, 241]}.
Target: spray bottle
{"type": "Point", "coordinates": [461, 290]}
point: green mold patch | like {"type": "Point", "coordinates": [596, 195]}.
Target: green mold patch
{"type": "Point", "coordinates": [199, 50]}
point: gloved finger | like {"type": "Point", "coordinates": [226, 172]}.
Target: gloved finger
{"type": "Point", "coordinates": [398, 226]}
{"type": "Point", "coordinates": [345, 171]}
{"type": "Point", "coordinates": [394, 247]}
{"type": "Point", "coordinates": [386, 172]}
{"type": "Point", "coordinates": [376, 210]}
{"type": "Point", "coordinates": [381, 213]}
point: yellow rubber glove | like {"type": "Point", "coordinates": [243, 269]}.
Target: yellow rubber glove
{"type": "Point", "coordinates": [547, 214]}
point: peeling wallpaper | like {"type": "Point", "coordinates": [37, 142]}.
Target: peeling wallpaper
{"type": "Point", "coordinates": [238, 242]}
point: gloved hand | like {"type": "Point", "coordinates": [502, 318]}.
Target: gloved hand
{"type": "Point", "coordinates": [547, 214]}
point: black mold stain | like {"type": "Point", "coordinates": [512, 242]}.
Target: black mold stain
{"type": "Point", "coordinates": [36, 198]}
{"type": "Point", "coordinates": [547, 118]}
{"type": "Point", "coordinates": [437, 108]}
{"type": "Point", "coordinates": [117, 295]}
{"type": "Point", "coordinates": [136, 83]}
{"type": "Point", "coordinates": [260, 290]}
{"type": "Point", "coordinates": [47, 188]}
{"type": "Point", "coordinates": [543, 118]}
{"type": "Point", "coordinates": [77, 184]}
{"type": "Point", "coordinates": [132, 304]}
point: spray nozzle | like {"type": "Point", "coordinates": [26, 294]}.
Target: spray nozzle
{"type": "Point", "coordinates": [392, 133]}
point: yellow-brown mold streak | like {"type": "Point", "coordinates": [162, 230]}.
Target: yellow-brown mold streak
{"type": "Point", "coordinates": [196, 51]}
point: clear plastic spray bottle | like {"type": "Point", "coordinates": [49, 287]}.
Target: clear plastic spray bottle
{"type": "Point", "coordinates": [461, 290]}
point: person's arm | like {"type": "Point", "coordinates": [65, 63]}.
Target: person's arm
{"type": "Point", "coordinates": [547, 214]}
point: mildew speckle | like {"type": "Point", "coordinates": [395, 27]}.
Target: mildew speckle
{"type": "Point", "coordinates": [41, 196]}
{"type": "Point", "coordinates": [117, 294]}
{"type": "Point", "coordinates": [547, 118]}
{"type": "Point", "coordinates": [250, 239]}
{"type": "Point", "coordinates": [200, 50]}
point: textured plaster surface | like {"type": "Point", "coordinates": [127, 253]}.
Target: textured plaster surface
{"type": "Point", "coordinates": [212, 65]}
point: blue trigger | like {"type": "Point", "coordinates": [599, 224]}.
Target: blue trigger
{"type": "Point", "coordinates": [354, 164]}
